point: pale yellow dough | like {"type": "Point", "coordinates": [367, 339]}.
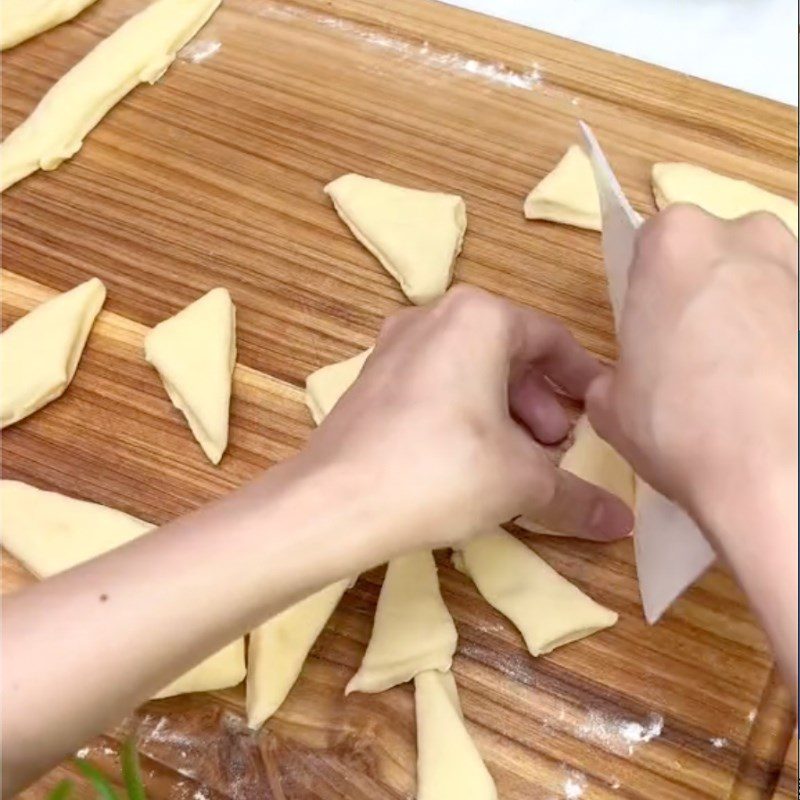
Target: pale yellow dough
{"type": "Point", "coordinates": [568, 194]}
{"type": "Point", "coordinates": [546, 609]}
{"type": "Point", "coordinates": [412, 632]}
{"type": "Point", "coordinates": [50, 532]}
{"type": "Point", "coordinates": [721, 196]}
{"type": "Point", "coordinates": [416, 235]}
{"type": "Point", "coordinates": [279, 648]}
{"type": "Point", "coordinates": [40, 352]}
{"type": "Point", "coordinates": [449, 765]}
{"type": "Point", "coordinates": [139, 51]}
{"type": "Point", "coordinates": [325, 386]}
{"type": "Point", "coordinates": [195, 353]}
{"type": "Point", "coordinates": [21, 19]}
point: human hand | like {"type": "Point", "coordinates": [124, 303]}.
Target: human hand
{"type": "Point", "coordinates": [445, 417]}
{"type": "Point", "coordinates": [705, 391]}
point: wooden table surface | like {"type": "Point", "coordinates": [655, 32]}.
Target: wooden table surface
{"type": "Point", "coordinates": [214, 177]}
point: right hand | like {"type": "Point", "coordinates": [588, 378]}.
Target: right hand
{"type": "Point", "coordinates": [703, 401]}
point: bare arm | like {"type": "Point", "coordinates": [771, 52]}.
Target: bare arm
{"type": "Point", "coordinates": [704, 400]}
{"type": "Point", "coordinates": [422, 452]}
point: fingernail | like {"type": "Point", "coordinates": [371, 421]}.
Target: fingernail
{"type": "Point", "coordinates": [612, 519]}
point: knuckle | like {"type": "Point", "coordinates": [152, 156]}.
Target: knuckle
{"type": "Point", "coordinates": [473, 305]}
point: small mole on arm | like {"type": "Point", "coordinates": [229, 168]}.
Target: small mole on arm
{"type": "Point", "coordinates": [103, 597]}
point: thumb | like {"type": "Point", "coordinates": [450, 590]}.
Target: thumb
{"type": "Point", "coordinates": [575, 507]}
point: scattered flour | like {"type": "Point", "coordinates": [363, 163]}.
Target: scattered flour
{"type": "Point", "coordinates": [83, 752]}
{"type": "Point", "coordinates": [574, 786]}
{"type": "Point", "coordinates": [619, 735]}
{"type": "Point", "coordinates": [200, 795]}
{"type": "Point", "coordinates": [199, 51]}
{"type": "Point", "coordinates": [752, 715]}
{"type": "Point", "coordinates": [718, 741]}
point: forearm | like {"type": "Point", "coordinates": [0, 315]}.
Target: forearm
{"type": "Point", "coordinates": [141, 615]}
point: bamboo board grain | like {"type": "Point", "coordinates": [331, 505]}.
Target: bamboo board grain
{"type": "Point", "coordinates": [214, 177]}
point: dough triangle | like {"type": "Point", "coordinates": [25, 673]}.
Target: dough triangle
{"type": "Point", "coordinates": [412, 632]}
{"type": "Point", "coordinates": [195, 353]}
{"type": "Point", "coordinates": [449, 765]}
{"type": "Point", "coordinates": [40, 352]}
{"type": "Point", "coordinates": [325, 386]}
{"type": "Point", "coordinates": [568, 194]}
{"type": "Point", "coordinates": [278, 649]}
{"type": "Point", "coordinates": [50, 532]}
{"type": "Point", "coordinates": [546, 609]}
{"type": "Point", "coordinates": [720, 195]}
{"type": "Point", "coordinates": [416, 235]}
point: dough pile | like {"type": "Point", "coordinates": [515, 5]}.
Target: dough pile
{"type": "Point", "coordinates": [568, 194]}
{"type": "Point", "coordinates": [719, 195]}
{"type": "Point", "coordinates": [412, 632]}
{"type": "Point", "coordinates": [546, 609]}
{"type": "Point", "coordinates": [50, 533]}
{"type": "Point", "coordinates": [137, 52]}
{"type": "Point", "coordinates": [195, 354]}
{"type": "Point", "coordinates": [416, 235]}
{"type": "Point", "coordinates": [40, 352]}
{"type": "Point", "coordinates": [21, 19]}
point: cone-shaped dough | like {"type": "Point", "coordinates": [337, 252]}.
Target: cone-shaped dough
{"type": "Point", "coordinates": [325, 386]}
{"type": "Point", "coordinates": [449, 766]}
{"type": "Point", "coordinates": [546, 608]}
{"type": "Point", "coordinates": [139, 51]}
{"type": "Point", "coordinates": [412, 632]}
{"type": "Point", "coordinates": [21, 19]}
{"type": "Point", "coordinates": [568, 194]}
{"type": "Point", "coordinates": [416, 235]}
{"type": "Point", "coordinates": [721, 196]}
{"type": "Point", "coordinates": [49, 533]}
{"type": "Point", "coordinates": [279, 648]}
{"type": "Point", "coordinates": [40, 352]}
{"type": "Point", "coordinates": [195, 353]}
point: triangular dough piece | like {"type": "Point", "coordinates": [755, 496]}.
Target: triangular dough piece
{"type": "Point", "coordinates": [139, 51]}
{"type": "Point", "coordinates": [568, 194]}
{"type": "Point", "coordinates": [449, 766]}
{"type": "Point", "coordinates": [40, 352]}
{"type": "Point", "coordinates": [50, 532]}
{"type": "Point", "coordinates": [325, 386]}
{"type": "Point", "coordinates": [21, 19]}
{"type": "Point", "coordinates": [416, 235]}
{"type": "Point", "coordinates": [721, 196]}
{"type": "Point", "coordinates": [546, 609]}
{"type": "Point", "coordinates": [195, 353]}
{"type": "Point", "coordinates": [413, 631]}
{"type": "Point", "coordinates": [279, 648]}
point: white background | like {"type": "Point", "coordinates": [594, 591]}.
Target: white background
{"type": "Point", "coordinates": [747, 44]}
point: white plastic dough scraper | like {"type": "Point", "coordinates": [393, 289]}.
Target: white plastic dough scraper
{"type": "Point", "coordinates": [671, 552]}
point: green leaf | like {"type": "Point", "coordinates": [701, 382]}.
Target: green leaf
{"type": "Point", "coordinates": [61, 791]}
{"type": "Point", "coordinates": [131, 773]}
{"type": "Point", "coordinates": [105, 791]}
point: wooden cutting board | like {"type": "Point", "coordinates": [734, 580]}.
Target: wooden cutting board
{"type": "Point", "coordinates": [214, 177]}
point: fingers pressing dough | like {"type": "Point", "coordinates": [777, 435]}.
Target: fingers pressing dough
{"type": "Point", "coordinates": [416, 235]}
{"type": "Point", "coordinates": [50, 532]}
{"type": "Point", "coordinates": [568, 194]}
{"type": "Point", "coordinates": [40, 352]}
{"type": "Point", "coordinates": [325, 386]}
{"type": "Point", "coordinates": [449, 766]}
{"type": "Point", "coordinates": [546, 609]}
{"type": "Point", "coordinates": [412, 632]}
{"type": "Point", "coordinates": [721, 196]}
{"type": "Point", "coordinates": [279, 648]}
{"type": "Point", "coordinates": [195, 353]}
{"type": "Point", "coordinates": [137, 52]}
{"type": "Point", "coordinates": [21, 19]}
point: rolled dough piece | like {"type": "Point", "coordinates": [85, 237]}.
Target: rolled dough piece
{"type": "Point", "coordinates": [279, 648]}
{"type": "Point", "coordinates": [416, 235]}
{"type": "Point", "coordinates": [568, 194]}
{"type": "Point", "coordinates": [21, 19]}
{"type": "Point", "coordinates": [449, 766]}
{"type": "Point", "coordinates": [40, 352]}
{"type": "Point", "coordinates": [413, 631]}
{"type": "Point", "coordinates": [139, 51]}
{"type": "Point", "coordinates": [325, 386]}
{"type": "Point", "coordinates": [50, 533]}
{"type": "Point", "coordinates": [195, 353]}
{"type": "Point", "coordinates": [546, 609]}
{"type": "Point", "coordinates": [721, 196]}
